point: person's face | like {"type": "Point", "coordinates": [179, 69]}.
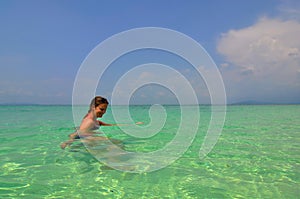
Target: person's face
{"type": "Point", "coordinates": [100, 110]}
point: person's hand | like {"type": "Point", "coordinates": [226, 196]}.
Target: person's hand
{"type": "Point", "coordinates": [138, 123]}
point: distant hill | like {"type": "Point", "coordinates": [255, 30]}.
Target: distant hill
{"type": "Point", "coordinates": [18, 104]}
{"type": "Point", "coordinates": [31, 104]}
{"type": "Point", "coordinates": [252, 102]}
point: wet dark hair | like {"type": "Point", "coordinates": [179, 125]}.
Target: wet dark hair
{"type": "Point", "coordinates": [97, 101]}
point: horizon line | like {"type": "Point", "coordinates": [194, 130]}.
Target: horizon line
{"type": "Point", "coordinates": [228, 104]}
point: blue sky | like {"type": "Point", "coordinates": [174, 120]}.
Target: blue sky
{"type": "Point", "coordinates": [255, 45]}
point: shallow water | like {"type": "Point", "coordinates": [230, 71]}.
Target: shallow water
{"type": "Point", "coordinates": [256, 156]}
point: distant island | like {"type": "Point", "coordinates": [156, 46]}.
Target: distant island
{"type": "Point", "coordinates": [253, 102]}
{"type": "Point", "coordinates": [247, 102]}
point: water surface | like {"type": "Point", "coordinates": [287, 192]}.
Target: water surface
{"type": "Point", "coordinates": [256, 156]}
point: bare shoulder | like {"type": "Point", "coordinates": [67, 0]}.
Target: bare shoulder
{"type": "Point", "coordinates": [86, 124]}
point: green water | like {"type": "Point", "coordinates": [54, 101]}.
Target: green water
{"type": "Point", "coordinates": [256, 156]}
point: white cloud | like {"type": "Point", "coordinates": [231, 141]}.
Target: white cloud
{"type": "Point", "coordinates": [289, 9]}
{"type": "Point", "coordinates": [262, 61]}
{"type": "Point", "coordinates": [157, 83]}
{"type": "Point", "coordinates": [47, 91]}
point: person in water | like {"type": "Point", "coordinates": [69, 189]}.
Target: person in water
{"type": "Point", "coordinates": [90, 123]}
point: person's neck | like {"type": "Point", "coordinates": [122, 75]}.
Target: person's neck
{"type": "Point", "coordinates": [92, 116]}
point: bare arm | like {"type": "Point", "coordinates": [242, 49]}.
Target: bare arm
{"type": "Point", "coordinates": [106, 124]}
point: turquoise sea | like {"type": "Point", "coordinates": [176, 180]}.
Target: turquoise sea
{"type": "Point", "coordinates": [256, 156]}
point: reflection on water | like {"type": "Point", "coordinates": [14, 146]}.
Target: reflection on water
{"type": "Point", "coordinates": [257, 156]}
